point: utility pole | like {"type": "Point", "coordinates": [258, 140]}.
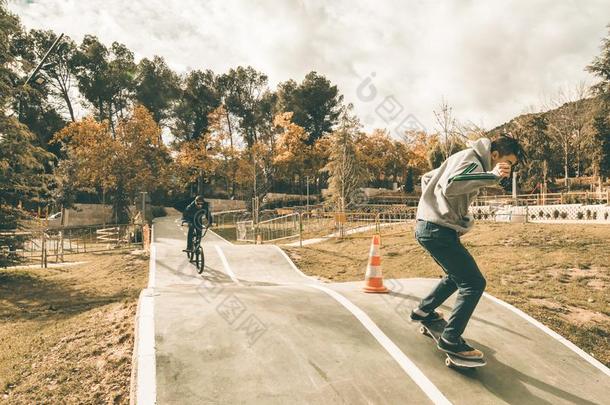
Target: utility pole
{"type": "Point", "coordinates": [143, 206]}
{"type": "Point", "coordinates": [307, 206]}
{"type": "Point", "coordinates": [515, 186]}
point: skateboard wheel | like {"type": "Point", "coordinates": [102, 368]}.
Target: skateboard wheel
{"type": "Point", "coordinates": [422, 330]}
{"type": "Point", "coordinates": [448, 362]}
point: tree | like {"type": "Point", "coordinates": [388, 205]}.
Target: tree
{"type": "Point", "coordinates": [156, 87]}
{"type": "Point", "coordinates": [223, 127]}
{"type": "Point", "coordinates": [409, 183]}
{"type": "Point", "coordinates": [418, 144]}
{"type": "Point", "coordinates": [448, 130]}
{"type": "Point", "coordinates": [436, 153]}
{"type": "Point", "coordinates": [567, 124]}
{"type": "Point", "coordinates": [23, 176]}
{"type": "Point", "coordinates": [315, 104]}
{"type": "Point", "coordinates": [600, 66]}
{"type": "Point", "coordinates": [346, 173]}
{"type": "Point", "coordinates": [537, 143]}
{"type": "Point", "coordinates": [22, 162]}
{"type": "Point", "coordinates": [105, 77]}
{"type": "Point", "coordinates": [131, 160]}
{"type": "Point", "coordinates": [243, 90]}
{"type": "Point", "coordinates": [374, 151]}
{"type": "Point", "coordinates": [37, 102]}
{"type": "Point", "coordinates": [58, 68]}
{"type": "Point", "coordinates": [198, 97]}
{"type": "Point", "coordinates": [291, 152]}
{"type": "Point", "coordinates": [602, 137]}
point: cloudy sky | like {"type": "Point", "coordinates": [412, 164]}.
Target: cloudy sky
{"type": "Point", "coordinates": [394, 60]}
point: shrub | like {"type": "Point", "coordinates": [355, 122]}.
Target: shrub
{"type": "Point", "coordinates": [588, 214]}
{"type": "Point", "coordinates": [564, 215]}
{"type": "Point", "coordinates": [580, 215]}
{"type": "Point", "coordinates": [606, 215]}
{"type": "Point", "coordinates": [533, 216]}
{"type": "Point", "coordinates": [541, 213]}
{"type": "Point", "coordinates": [158, 211]}
{"type": "Point", "coordinates": [595, 215]}
{"type": "Point", "coordinates": [549, 215]}
{"type": "Point", "coordinates": [556, 214]}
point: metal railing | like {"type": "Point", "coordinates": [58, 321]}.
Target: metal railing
{"type": "Point", "coordinates": [326, 224]}
{"type": "Point", "coordinates": [53, 243]}
{"type": "Point", "coordinates": [546, 199]}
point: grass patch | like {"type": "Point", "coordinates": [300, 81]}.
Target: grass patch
{"type": "Point", "coordinates": [67, 332]}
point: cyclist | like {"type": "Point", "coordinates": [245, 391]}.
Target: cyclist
{"type": "Point", "coordinates": [189, 214]}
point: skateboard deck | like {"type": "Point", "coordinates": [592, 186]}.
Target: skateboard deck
{"type": "Point", "coordinates": [434, 330]}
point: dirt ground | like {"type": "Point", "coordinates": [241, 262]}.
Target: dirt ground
{"type": "Point", "coordinates": [559, 274]}
{"type": "Point", "coordinates": [66, 332]}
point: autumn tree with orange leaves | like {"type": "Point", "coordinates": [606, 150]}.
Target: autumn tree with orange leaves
{"type": "Point", "coordinates": [131, 161]}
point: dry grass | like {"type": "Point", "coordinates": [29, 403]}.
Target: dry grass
{"type": "Point", "coordinates": [67, 332]}
{"type": "Point", "coordinates": [558, 274]}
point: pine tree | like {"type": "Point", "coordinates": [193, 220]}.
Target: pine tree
{"type": "Point", "coordinates": [409, 186]}
{"type": "Point", "coordinates": [601, 125]}
{"type": "Point", "coordinates": [22, 163]}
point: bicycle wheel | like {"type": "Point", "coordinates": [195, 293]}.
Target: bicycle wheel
{"type": "Point", "coordinates": [199, 260]}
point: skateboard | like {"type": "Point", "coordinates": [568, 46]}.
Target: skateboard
{"type": "Point", "coordinates": [434, 330]}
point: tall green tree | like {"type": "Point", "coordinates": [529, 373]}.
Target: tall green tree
{"type": "Point", "coordinates": [538, 145]}
{"type": "Point", "coordinates": [198, 97]}
{"type": "Point", "coordinates": [315, 104]}
{"type": "Point", "coordinates": [58, 70]}
{"type": "Point", "coordinates": [243, 90]}
{"type": "Point", "coordinates": [22, 162]}
{"type": "Point", "coordinates": [601, 126]}
{"type": "Point", "coordinates": [157, 87]}
{"type": "Point", "coordinates": [106, 77]}
{"type": "Point", "coordinates": [37, 102]}
{"type": "Point", "coordinates": [600, 66]}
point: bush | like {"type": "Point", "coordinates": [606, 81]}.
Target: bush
{"type": "Point", "coordinates": [595, 215]}
{"type": "Point", "coordinates": [564, 215]}
{"type": "Point", "coordinates": [556, 214]}
{"type": "Point", "coordinates": [580, 215]}
{"type": "Point", "coordinates": [541, 213]}
{"type": "Point", "coordinates": [158, 211]}
{"type": "Point", "coordinates": [533, 216]}
{"type": "Point", "coordinates": [548, 216]}
{"type": "Point", "coordinates": [588, 214]}
{"type": "Point", "coordinates": [606, 215]}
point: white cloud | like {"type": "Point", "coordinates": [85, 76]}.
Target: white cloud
{"type": "Point", "coordinates": [489, 59]}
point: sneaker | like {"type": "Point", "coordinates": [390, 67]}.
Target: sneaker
{"type": "Point", "coordinates": [431, 317]}
{"type": "Point", "coordinates": [460, 349]}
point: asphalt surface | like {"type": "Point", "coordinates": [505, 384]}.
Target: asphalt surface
{"type": "Point", "coordinates": [253, 329]}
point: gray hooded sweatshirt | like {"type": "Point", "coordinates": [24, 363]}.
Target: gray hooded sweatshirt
{"type": "Point", "coordinates": [448, 190]}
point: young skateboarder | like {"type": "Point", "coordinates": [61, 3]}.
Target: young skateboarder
{"type": "Point", "coordinates": [442, 217]}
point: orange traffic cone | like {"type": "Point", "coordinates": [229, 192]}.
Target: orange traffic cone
{"type": "Point", "coordinates": [373, 280]}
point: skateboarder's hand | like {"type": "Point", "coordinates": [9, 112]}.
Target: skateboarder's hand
{"type": "Point", "coordinates": [502, 169]}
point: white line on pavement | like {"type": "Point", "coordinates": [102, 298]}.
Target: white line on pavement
{"type": "Point", "coordinates": [552, 333]}
{"type": "Point", "coordinates": [225, 264]}
{"type": "Point", "coordinates": [405, 363]}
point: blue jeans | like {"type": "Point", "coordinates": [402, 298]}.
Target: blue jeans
{"type": "Point", "coordinates": [461, 274]}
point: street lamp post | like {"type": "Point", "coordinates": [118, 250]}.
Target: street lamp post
{"type": "Point", "coordinates": [36, 70]}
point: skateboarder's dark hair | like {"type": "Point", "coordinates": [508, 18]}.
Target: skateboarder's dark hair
{"type": "Point", "coordinates": [507, 145]}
